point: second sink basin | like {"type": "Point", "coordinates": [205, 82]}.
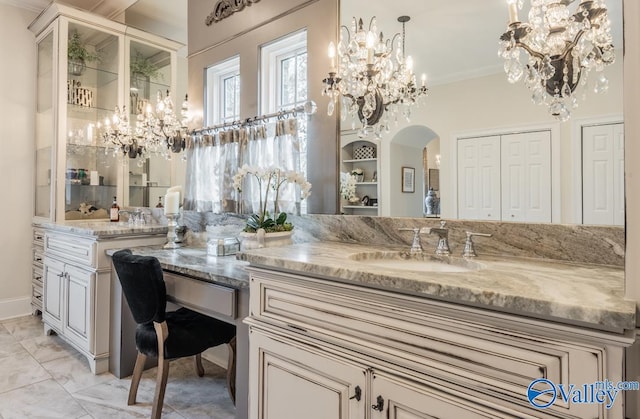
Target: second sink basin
{"type": "Point", "coordinates": [416, 263]}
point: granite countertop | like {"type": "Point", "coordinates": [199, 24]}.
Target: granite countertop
{"type": "Point", "coordinates": [195, 262]}
{"type": "Point", "coordinates": [103, 228]}
{"type": "Point", "coordinates": [588, 295]}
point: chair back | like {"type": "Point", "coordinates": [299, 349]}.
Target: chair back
{"type": "Point", "coordinates": [143, 285]}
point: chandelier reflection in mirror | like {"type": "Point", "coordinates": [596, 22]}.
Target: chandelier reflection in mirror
{"type": "Point", "coordinates": [373, 78]}
{"type": "Point", "coordinates": [158, 130]}
{"type": "Point", "coordinates": [557, 49]}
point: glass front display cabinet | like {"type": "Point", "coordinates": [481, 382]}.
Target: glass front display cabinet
{"type": "Point", "coordinates": [85, 69]}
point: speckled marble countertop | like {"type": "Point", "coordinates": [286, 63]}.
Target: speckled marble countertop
{"type": "Point", "coordinates": [589, 295]}
{"type": "Point", "coordinates": [102, 228]}
{"type": "Point", "coordinates": [195, 262]}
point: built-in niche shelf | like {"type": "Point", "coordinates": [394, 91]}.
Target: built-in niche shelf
{"type": "Point", "coordinates": [357, 153]}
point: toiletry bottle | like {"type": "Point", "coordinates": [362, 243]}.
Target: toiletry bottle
{"type": "Point", "coordinates": [114, 214]}
{"type": "Point", "coordinates": [160, 203]}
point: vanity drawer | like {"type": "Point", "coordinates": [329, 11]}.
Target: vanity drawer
{"type": "Point", "coordinates": [36, 276]}
{"type": "Point", "coordinates": [71, 248]}
{"type": "Point", "coordinates": [412, 333]}
{"type": "Point", "coordinates": [38, 237]}
{"type": "Point", "coordinates": [204, 297]}
{"type": "Point", "coordinates": [37, 256]}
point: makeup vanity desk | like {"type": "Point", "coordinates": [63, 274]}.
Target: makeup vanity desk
{"type": "Point", "coordinates": [214, 286]}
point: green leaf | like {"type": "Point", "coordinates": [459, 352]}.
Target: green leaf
{"type": "Point", "coordinates": [281, 218]}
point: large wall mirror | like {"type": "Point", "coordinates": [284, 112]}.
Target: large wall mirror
{"type": "Point", "coordinates": [455, 42]}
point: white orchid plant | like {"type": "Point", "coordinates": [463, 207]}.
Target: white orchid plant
{"type": "Point", "coordinates": [270, 179]}
{"type": "Point", "coordinates": [348, 187]}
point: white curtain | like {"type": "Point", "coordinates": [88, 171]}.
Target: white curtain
{"type": "Point", "coordinates": [213, 160]}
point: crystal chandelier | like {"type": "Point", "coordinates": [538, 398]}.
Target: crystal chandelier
{"type": "Point", "coordinates": [373, 77]}
{"type": "Point", "coordinates": [158, 130]}
{"type": "Point", "coordinates": [117, 133]}
{"type": "Point", "coordinates": [560, 47]}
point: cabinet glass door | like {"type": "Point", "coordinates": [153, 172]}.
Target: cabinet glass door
{"type": "Point", "coordinates": [150, 75]}
{"type": "Point", "coordinates": [91, 170]}
{"type": "Point", "coordinates": [44, 128]}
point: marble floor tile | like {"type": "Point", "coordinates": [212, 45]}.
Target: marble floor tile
{"type": "Point", "coordinates": [44, 377]}
{"type": "Point", "coordinates": [8, 344]}
{"type": "Point", "coordinates": [74, 374]}
{"type": "Point", "coordinates": [47, 348]}
{"type": "Point", "coordinates": [25, 327]}
{"type": "Point", "coordinates": [45, 399]}
{"type": "Point", "coordinates": [109, 400]}
{"type": "Point", "coordinates": [19, 370]}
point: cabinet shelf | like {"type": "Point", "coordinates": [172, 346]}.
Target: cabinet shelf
{"type": "Point", "coordinates": [94, 77]}
{"type": "Point", "coordinates": [370, 207]}
{"type": "Point", "coordinates": [374, 159]}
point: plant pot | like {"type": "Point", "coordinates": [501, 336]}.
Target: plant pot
{"type": "Point", "coordinates": [76, 66]}
{"type": "Point", "coordinates": [262, 239]}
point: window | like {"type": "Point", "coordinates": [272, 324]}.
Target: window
{"type": "Point", "coordinates": [223, 92]}
{"type": "Point", "coordinates": [284, 73]}
{"type": "Point", "coordinates": [283, 80]}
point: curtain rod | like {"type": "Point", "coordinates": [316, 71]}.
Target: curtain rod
{"type": "Point", "coordinates": [309, 108]}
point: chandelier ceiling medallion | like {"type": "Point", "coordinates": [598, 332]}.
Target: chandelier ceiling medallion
{"type": "Point", "coordinates": [373, 77]}
{"type": "Point", "coordinates": [158, 131]}
{"type": "Point", "coordinates": [557, 49]}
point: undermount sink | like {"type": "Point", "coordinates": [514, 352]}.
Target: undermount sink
{"type": "Point", "coordinates": [417, 262]}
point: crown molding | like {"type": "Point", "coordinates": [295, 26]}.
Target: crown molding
{"type": "Point", "coordinates": [111, 9]}
{"type": "Point", "coordinates": [31, 5]}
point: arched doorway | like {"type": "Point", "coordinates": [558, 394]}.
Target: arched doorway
{"type": "Point", "coordinates": [416, 147]}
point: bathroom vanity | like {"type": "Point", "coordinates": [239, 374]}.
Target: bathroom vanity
{"type": "Point", "coordinates": [76, 280]}
{"type": "Point", "coordinates": [347, 331]}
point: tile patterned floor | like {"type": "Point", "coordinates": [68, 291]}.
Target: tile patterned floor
{"type": "Point", "coordinates": [44, 377]}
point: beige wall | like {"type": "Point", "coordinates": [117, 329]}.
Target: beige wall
{"type": "Point", "coordinates": [17, 110]}
{"type": "Point", "coordinates": [242, 34]}
{"type": "Point", "coordinates": [491, 103]}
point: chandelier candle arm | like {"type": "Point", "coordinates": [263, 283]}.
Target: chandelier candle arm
{"type": "Point", "coordinates": [562, 48]}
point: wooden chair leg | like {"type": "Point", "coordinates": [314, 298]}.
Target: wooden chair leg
{"type": "Point", "coordinates": [161, 384]}
{"type": "Point", "coordinates": [199, 367]}
{"type": "Point", "coordinates": [135, 378]}
{"type": "Point", "coordinates": [162, 332]}
{"type": "Point", "coordinates": [231, 370]}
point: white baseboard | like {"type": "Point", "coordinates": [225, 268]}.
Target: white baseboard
{"type": "Point", "coordinates": [15, 307]}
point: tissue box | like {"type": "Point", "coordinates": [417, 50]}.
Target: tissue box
{"type": "Point", "coordinates": [223, 247]}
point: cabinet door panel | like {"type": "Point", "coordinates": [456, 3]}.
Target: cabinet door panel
{"type": "Point", "coordinates": [301, 383]}
{"type": "Point", "coordinates": [406, 400]}
{"type": "Point", "coordinates": [53, 284]}
{"type": "Point", "coordinates": [78, 289]}
{"type": "Point", "coordinates": [603, 174]}
{"type": "Point", "coordinates": [526, 177]}
{"type": "Point", "coordinates": [479, 178]}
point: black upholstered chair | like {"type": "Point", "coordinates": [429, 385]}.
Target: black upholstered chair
{"type": "Point", "coordinates": [161, 334]}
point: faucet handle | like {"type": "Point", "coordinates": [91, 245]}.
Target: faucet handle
{"type": "Point", "coordinates": [469, 250]}
{"type": "Point", "coordinates": [416, 247]}
{"type": "Point", "coordinates": [443, 223]}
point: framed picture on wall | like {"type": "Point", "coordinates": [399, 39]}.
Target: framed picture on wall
{"type": "Point", "coordinates": [408, 179]}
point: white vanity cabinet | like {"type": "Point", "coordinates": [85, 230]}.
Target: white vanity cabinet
{"type": "Point", "coordinates": [69, 298]}
{"type": "Point", "coordinates": [313, 342]}
{"type": "Point", "coordinates": [77, 289]}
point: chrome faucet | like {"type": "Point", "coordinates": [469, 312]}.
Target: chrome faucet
{"type": "Point", "coordinates": [443, 239]}
{"type": "Point", "coordinates": [469, 250]}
